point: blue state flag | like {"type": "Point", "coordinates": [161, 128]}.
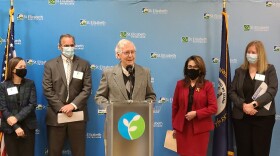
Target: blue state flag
{"type": "Point", "coordinates": [223, 132]}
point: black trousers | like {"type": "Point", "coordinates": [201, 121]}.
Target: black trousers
{"type": "Point", "coordinates": [253, 135]}
{"type": "Point", "coordinates": [19, 146]}
{"type": "Point", "coordinates": [74, 132]}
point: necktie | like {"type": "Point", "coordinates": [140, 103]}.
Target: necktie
{"type": "Point", "coordinates": [68, 75]}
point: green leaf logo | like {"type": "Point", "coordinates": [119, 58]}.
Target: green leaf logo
{"type": "Point", "coordinates": [123, 34]}
{"type": "Point", "coordinates": [247, 27]}
{"type": "Point", "coordinates": [185, 39]}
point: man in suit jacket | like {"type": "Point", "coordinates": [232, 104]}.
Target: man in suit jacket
{"type": "Point", "coordinates": [66, 93]}
{"type": "Point", "coordinates": [113, 84]}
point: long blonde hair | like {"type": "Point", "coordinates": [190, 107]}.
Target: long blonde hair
{"type": "Point", "coordinates": [262, 63]}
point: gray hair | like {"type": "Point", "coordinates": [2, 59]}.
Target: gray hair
{"type": "Point", "coordinates": [121, 44]}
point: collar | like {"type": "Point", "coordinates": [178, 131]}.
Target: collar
{"type": "Point", "coordinates": [65, 58]}
{"type": "Point", "coordinates": [126, 73]}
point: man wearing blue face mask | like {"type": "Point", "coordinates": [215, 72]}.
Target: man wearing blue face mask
{"type": "Point", "coordinates": [67, 86]}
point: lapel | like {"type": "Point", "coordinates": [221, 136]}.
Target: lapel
{"type": "Point", "coordinates": [186, 95]}
{"type": "Point", "coordinates": [61, 70]}
{"type": "Point", "coordinates": [21, 92]}
{"type": "Point", "coordinates": [75, 64]}
{"type": "Point", "coordinates": [118, 78]}
{"type": "Point", "coordinates": [242, 75]}
{"type": "Point", "coordinates": [258, 82]}
{"type": "Point", "coordinates": [139, 77]}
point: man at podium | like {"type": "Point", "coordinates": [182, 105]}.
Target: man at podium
{"type": "Point", "coordinates": [125, 81]}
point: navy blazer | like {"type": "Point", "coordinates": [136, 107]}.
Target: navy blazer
{"type": "Point", "coordinates": [237, 96]}
{"type": "Point", "coordinates": [24, 111]}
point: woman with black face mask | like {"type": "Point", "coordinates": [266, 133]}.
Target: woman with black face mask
{"type": "Point", "coordinates": [17, 104]}
{"type": "Point", "coordinates": [194, 102]}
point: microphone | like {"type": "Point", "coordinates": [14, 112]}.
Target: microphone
{"type": "Point", "coordinates": [129, 68]}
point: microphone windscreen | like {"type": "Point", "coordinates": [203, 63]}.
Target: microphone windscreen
{"type": "Point", "coordinates": [129, 69]}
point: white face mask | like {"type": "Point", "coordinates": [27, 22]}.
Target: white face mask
{"type": "Point", "coordinates": [252, 58]}
{"type": "Point", "coordinates": [68, 51]}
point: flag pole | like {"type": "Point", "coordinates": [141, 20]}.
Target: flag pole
{"type": "Point", "coordinates": [224, 4]}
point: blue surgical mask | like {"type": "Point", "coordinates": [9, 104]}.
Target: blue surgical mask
{"type": "Point", "coordinates": [68, 51]}
{"type": "Point", "coordinates": [252, 58]}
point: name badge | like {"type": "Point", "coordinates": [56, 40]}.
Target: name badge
{"type": "Point", "coordinates": [78, 75]}
{"type": "Point", "coordinates": [12, 91]}
{"type": "Point", "coordinates": [260, 77]}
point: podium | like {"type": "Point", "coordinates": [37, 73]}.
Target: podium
{"type": "Point", "coordinates": [129, 128]}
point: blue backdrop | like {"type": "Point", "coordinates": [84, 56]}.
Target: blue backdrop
{"type": "Point", "coordinates": [165, 34]}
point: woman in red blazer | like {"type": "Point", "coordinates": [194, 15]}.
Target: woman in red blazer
{"type": "Point", "coordinates": [194, 103]}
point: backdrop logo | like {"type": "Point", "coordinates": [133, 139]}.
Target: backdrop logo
{"type": "Point", "coordinates": [276, 48]}
{"type": "Point", "coordinates": [248, 27]}
{"type": "Point", "coordinates": [155, 11]}
{"type": "Point", "coordinates": [162, 100]}
{"type": "Point", "coordinates": [37, 131]}
{"type": "Point", "coordinates": [215, 60]}
{"type": "Point", "coordinates": [272, 4]}
{"type": "Point", "coordinates": [187, 39]}
{"type": "Point", "coordinates": [79, 47]}
{"type": "Point", "coordinates": [124, 34]}
{"type": "Point", "coordinates": [61, 2]}
{"type": "Point", "coordinates": [162, 56]}
{"type": "Point", "coordinates": [158, 124]}
{"type": "Point", "coordinates": [152, 79]}
{"type": "Point", "coordinates": [84, 22]}
{"type": "Point", "coordinates": [212, 16]}
{"type": "Point", "coordinates": [51, 2]}
{"type": "Point", "coordinates": [94, 135]}
{"type": "Point", "coordinates": [40, 107]}
{"type": "Point", "coordinates": [131, 126]}
{"type": "Point", "coordinates": [22, 17]}
{"type": "Point", "coordinates": [99, 67]}
{"type": "Point", "coordinates": [277, 117]}
{"type": "Point", "coordinates": [156, 109]}
{"type": "Point", "coordinates": [35, 62]}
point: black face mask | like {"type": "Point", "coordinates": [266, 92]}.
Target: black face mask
{"type": "Point", "coordinates": [21, 72]}
{"type": "Point", "coordinates": [193, 73]}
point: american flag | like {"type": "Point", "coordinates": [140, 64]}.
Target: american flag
{"type": "Point", "coordinates": [9, 48]}
{"type": "Point", "coordinates": [8, 54]}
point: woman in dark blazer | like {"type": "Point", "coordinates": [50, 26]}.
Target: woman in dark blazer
{"type": "Point", "coordinates": [254, 115]}
{"type": "Point", "coordinates": [17, 103]}
{"type": "Point", "coordinates": [194, 103]}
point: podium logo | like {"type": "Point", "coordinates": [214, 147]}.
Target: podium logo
{"type": "Point", "coordinates": [131, 126]}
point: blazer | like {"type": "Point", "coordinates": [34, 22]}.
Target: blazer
{"type": "Point", "coordinates": [112, 87]}
{"type": "Point", "coordinates": [204, 103]}
{"type": "Point", "coordinates": [237, 96]}
{"type": "Point", "coordinates": [24, 111]}
{"type": "Point", "coordinates": [55, 87]}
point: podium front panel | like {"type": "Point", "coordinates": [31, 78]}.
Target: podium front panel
{"type": "Point", "coordinates": [130, 129]}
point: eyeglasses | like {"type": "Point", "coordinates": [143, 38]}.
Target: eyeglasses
{"type": "Point", "coordinates": [69, 45]}
{"type": "Point", "coordinates": [126, 53]}
{"type": "Point", "coordinates": [192, 67]}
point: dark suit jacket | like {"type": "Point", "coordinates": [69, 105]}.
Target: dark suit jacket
{"type": "Point", "coordinates": [204, 103]}
{"type": "Point", "coordinates": [55, 87]}
{"type": "Point", "coordinates": [112, 87]}
{"type": "Point", "coordinates": [25, 112]}
{"type": "Point", "coordinates": [237, 96]}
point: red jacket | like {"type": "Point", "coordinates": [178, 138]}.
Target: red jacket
{"type": "Point", "coordinates": [204, 103]}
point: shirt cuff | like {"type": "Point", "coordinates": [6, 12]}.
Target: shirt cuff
{"type": "Point", "coordinates": [75, 107]}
